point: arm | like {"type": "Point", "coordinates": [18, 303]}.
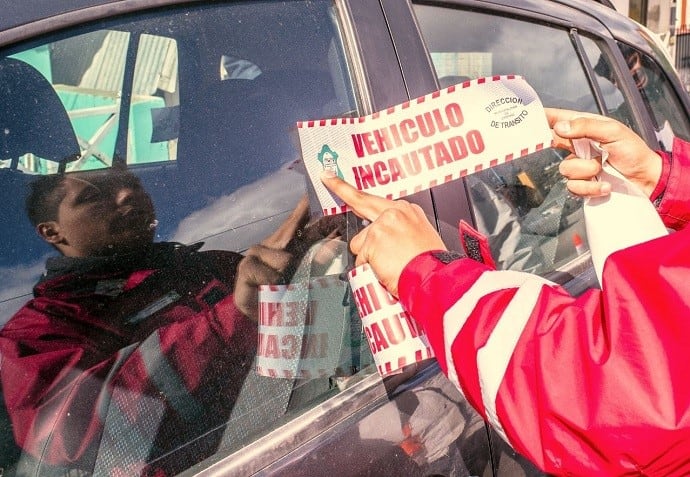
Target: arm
{"type": "Point", "coordinates": [580, 385]}
{"type": "Point", "coordinates": [594, 385]}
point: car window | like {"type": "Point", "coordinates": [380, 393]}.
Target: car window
{"type": "Point", "coordinates": [522, 206]}
{"type": "Point", "coordinates": [611, 94]}
{"type": "Point", "coordinates": [660, 98]}
{"type": "Point", "coordinates": [88, 72]}
{"type": "Point", "coordinates": [160, 151]}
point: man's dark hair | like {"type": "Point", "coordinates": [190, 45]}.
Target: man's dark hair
{"type": "Point", "coordinates": [43, 200]}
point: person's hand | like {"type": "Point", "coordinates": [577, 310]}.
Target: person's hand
{"type": "Point", "coordinates": [273, 260]}
{"type": "Point", "coordinates": [267, 262]}
{"type": "Point", "coordinates": [398, 233]}
{"type": "Point", "coordinates": [628, 153]}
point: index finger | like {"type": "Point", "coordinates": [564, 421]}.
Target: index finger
{"type": "Point", "coordinates": [364, 205]}
{"type": "Point", "coordinates": [288, 229]}
{"type": "Point", "coordinates": [567, 125]}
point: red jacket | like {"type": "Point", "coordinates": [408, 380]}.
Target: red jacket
{"type": "Point", "coordinates": [590, 385]}
{"type": "Point", "coordinates": [105, 367]}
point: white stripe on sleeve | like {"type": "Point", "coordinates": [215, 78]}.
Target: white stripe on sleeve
{"type": "Point", "coordinates": [493, 358]}
{"type": "Point", "coordinates": [456, 316]}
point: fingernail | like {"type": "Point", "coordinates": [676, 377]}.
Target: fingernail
{"type": "Point", "coordinates": [605, 188]}
{"type": "Point", "coordinates": [562, 127]}
{"type": "Point", "coordinates": [327, 174]}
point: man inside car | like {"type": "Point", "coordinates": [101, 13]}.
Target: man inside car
{"type": "Point", "coordinates": [131, 348]}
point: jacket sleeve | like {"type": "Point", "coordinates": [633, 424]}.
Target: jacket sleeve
{"type": "Point", "coordinates": [69, 392]}
{"type": "Point", "coordinates": [672, 194]}
{"type": "Point", "coordinates": [593, 385]}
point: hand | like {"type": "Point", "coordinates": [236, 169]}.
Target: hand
{"type": "Point", "coordinates": [273, 260]}
{"type": "Point", "coordinates": [628, 153]}
{"type": "Point", "coordinates": [398, 233]}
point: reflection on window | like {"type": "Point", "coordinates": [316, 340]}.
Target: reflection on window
{"type": "Point", "coordinates": [87, 73]}
{"type": "Point", "coordinates": [615, 104]}
{"type": "Point", "coordinates": [522, 207]}
{"type": "Point", "coordinates": [160, 349]}
{"type": "Point", "coordinates": [465, 45]}
{"type": "Point", "coordinates": [532, 223]}
{"type": "Point", "coordinates": [154, 115]}
{"type": "Point", "coordinates": [660, 98]}
{"type": "Point", "coordinates": [663, 105]}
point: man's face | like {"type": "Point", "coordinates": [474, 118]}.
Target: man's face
{"type": "Point", "coordinates": [103, 213]}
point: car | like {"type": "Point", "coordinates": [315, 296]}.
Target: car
{"type": "Point", "coordinates": [200, 101]}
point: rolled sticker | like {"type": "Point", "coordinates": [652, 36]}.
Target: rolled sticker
{"type": "Point", "coordinates": [301, 328]}
{"type": "Point", "coordinates": [623, 218]}
{"type": "Point", "coordinates": [394, 337]}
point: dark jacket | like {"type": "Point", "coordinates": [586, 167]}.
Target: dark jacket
{"type": "Point", "coordinates": [122, 359]}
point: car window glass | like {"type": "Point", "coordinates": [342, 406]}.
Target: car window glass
{"type": "Point", "coordinates": [613, 98]}
{"type": "Point", "coordinates": [86, 72]}
{"type": "Point", "coordinates": [660, 98]}
{"type": "Point", "coordinates": [522, 206]}
{"type": "Point", "coordinates": [162, 149]}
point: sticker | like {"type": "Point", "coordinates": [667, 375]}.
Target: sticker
{"type": "Point", "coordinates": [428, 141]}
{"type": "Point", "coordinates": [301, 328]}
{"type": "Point", "coordinates": [394, 337]}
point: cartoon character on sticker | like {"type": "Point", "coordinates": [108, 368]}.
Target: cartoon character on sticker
{"type": "Point", "coordinates": [329, 160]}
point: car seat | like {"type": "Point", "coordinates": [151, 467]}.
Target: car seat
{"type": "Point", "coordinates": [33, 119]}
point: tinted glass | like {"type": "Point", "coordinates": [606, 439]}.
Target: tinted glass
{"type": "Point", "coordinates": [522, 206]}
{"type": "Point", "coordinates": [615, 104]}
{"type": "Point", "coordinates": [163, 150]}
{"type": "Point", "coordinates": [665, 108]}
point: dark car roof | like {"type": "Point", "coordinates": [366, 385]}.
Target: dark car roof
{"type": "Point", "coordinates": [24, 20]}
{"type": "Point", "coordinates": [15, 13]}
{"type": "Point", "coordinates": [19, 13]}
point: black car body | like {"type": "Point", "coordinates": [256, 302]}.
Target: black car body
{"type": "Point", "coordinates": [200, 99]}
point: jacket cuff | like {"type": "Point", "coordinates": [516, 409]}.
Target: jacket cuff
{"type": "Point", "coordinates": [673, 204]}
{"type": "Point", "coordinates": [430, 274]}
{"type": "Point", "coordinates": [414, 274]}
{"type": "Point", "coordinates": [658, 192]}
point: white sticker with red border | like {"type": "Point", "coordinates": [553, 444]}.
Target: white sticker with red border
{"type": "Point", "coordinates": [394, 337]}
{"type": "Point", "coordinates": [428, 141]}
{"type": "Point", "coordinates": [301, 328]}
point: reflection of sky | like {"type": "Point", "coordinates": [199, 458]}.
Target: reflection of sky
{"type": "Point", "coordinates": [245, 217]}
{"type": "Point", "coordinates": [544, 56]}
{"type": "Point", "coordinates": [17, 283]}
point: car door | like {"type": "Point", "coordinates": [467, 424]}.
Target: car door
{"type": "Point", "coordinates": [532, 223]}
{"type": "Point", "coordinates": [199, 101]}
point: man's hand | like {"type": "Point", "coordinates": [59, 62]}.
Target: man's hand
{"type": "Point", "coordinates": [273, 261]}
{"type": "Point", "coordinates": [628, 153]}
{"type": "Point", "coordinates": [268, 262]}
{"type": "Point", "coordinates": [398, 233]}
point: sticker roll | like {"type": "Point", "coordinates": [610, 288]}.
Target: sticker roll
{"type": "Point", "coordinates": [394, 337]}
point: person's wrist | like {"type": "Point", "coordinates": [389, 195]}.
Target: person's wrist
{"type": "Point", "coordinates": [650, 173]}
